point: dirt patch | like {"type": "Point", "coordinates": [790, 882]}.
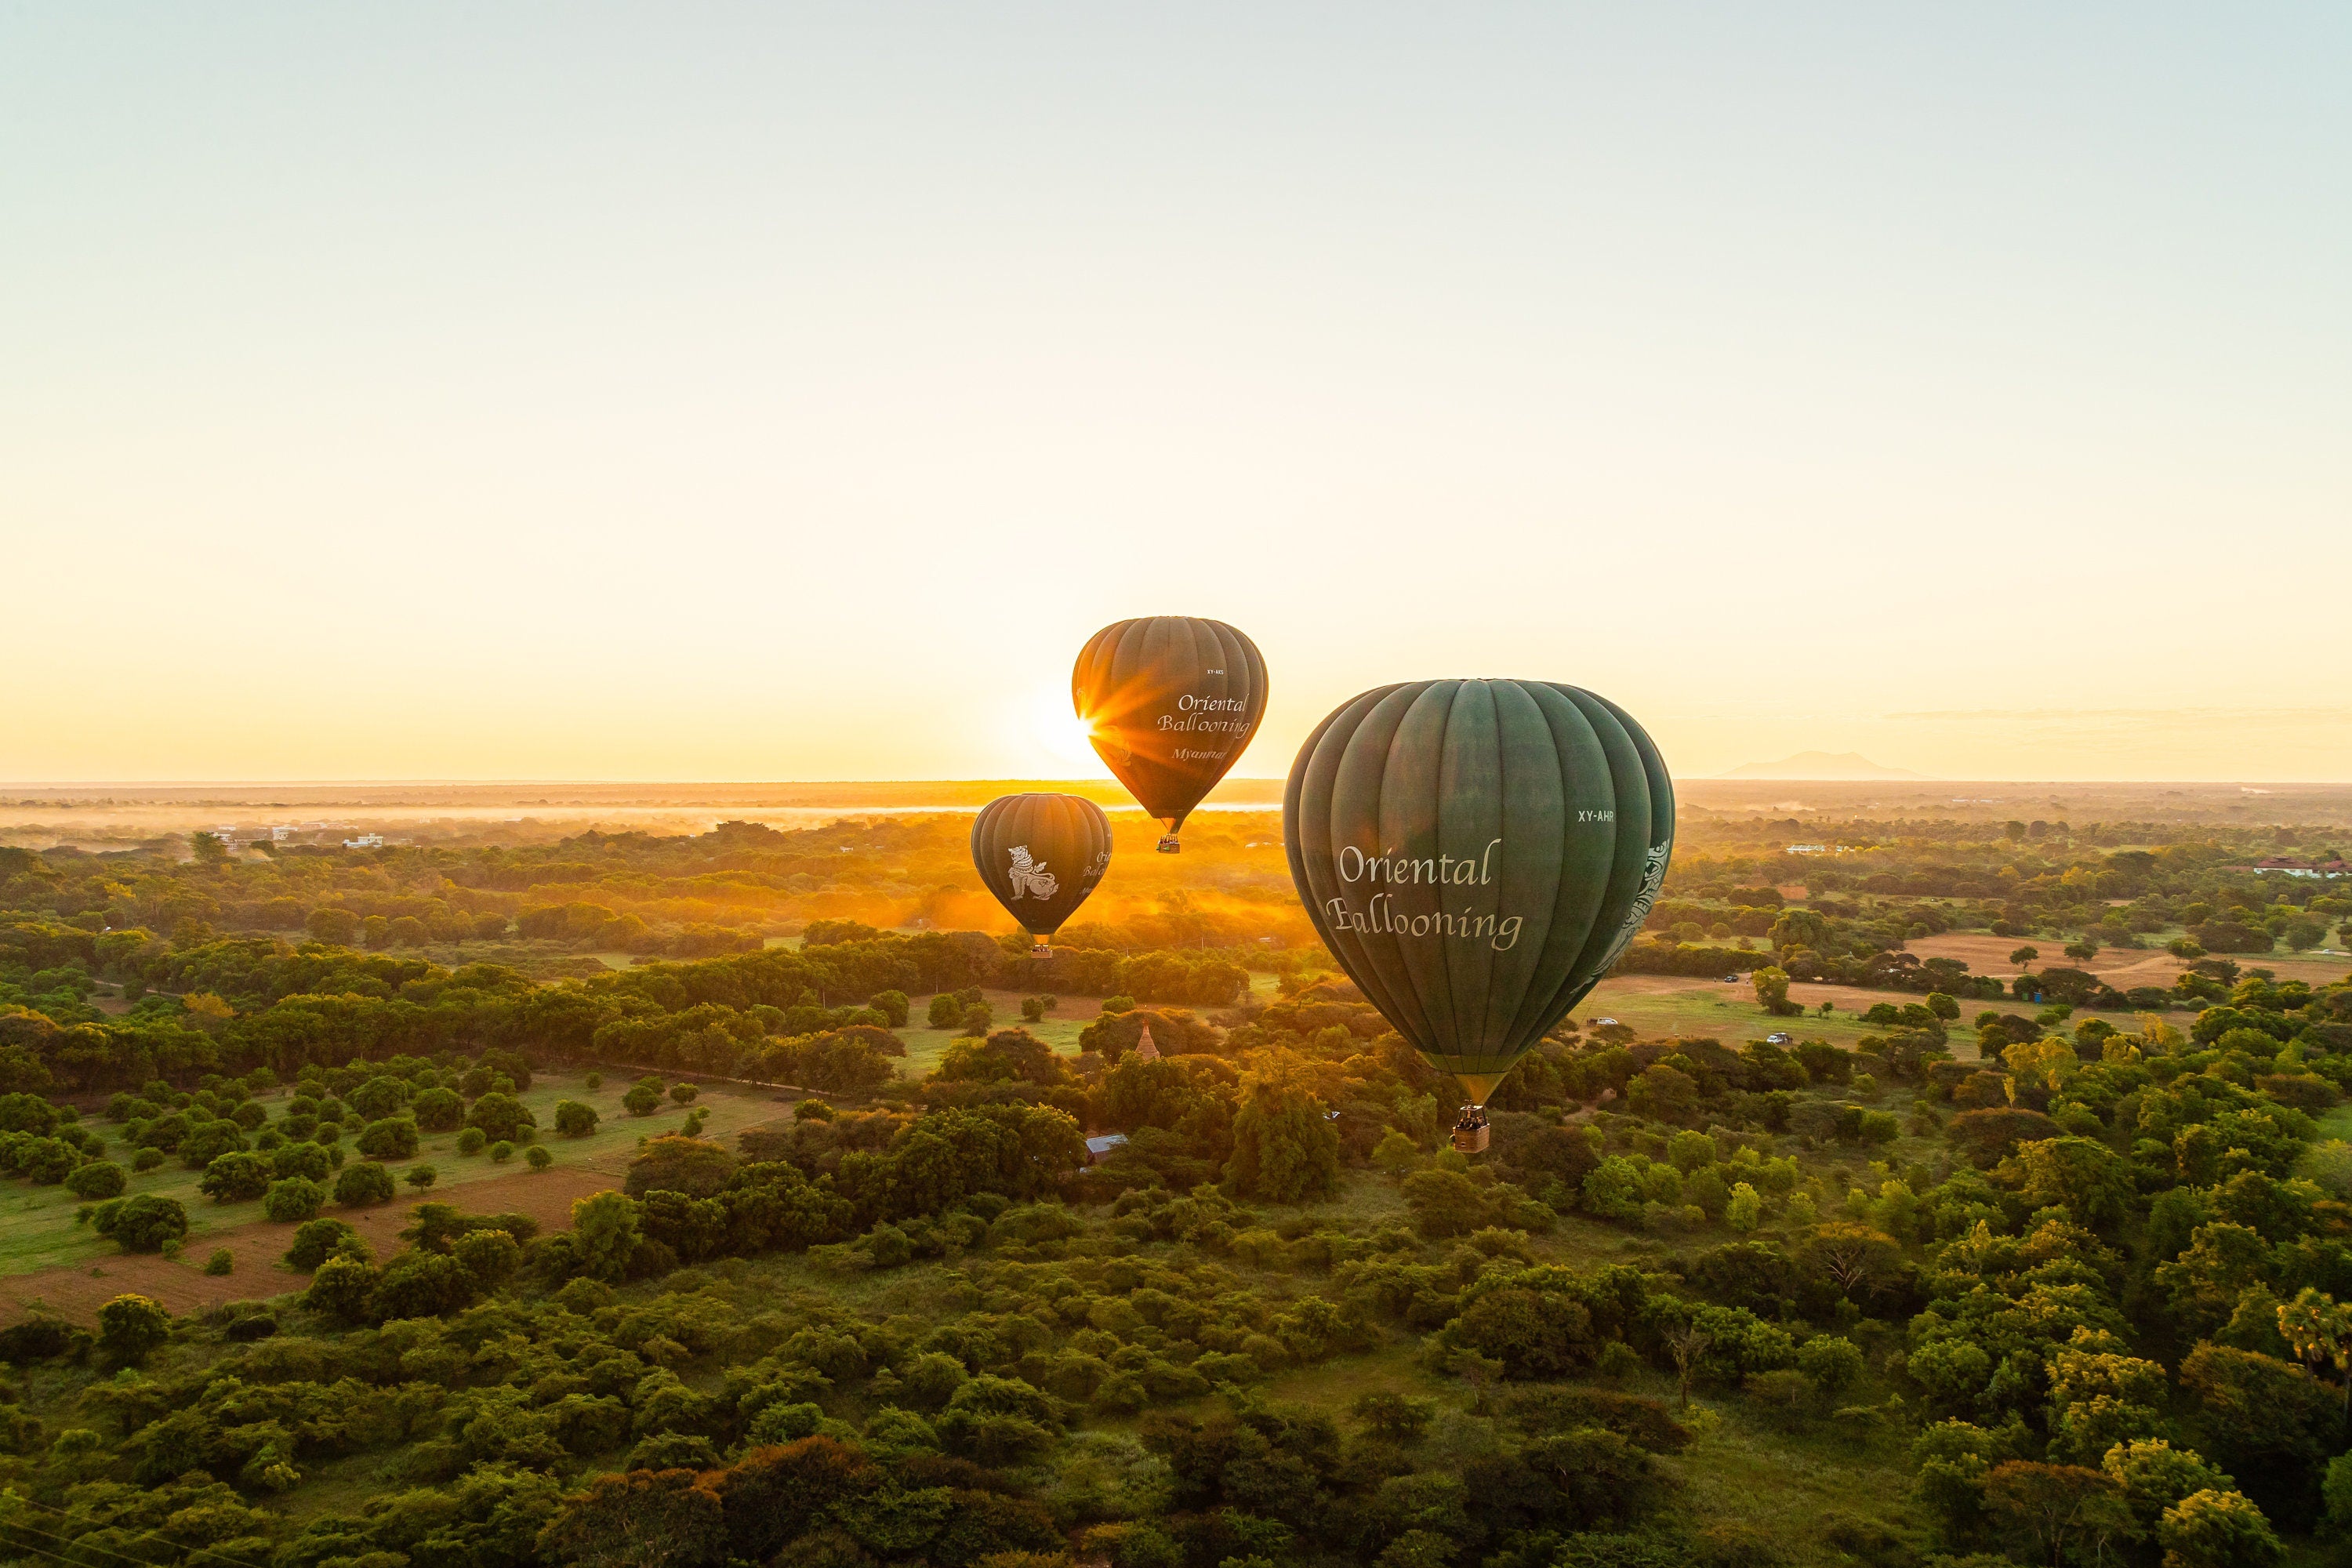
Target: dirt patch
{"type": "Point", "coordinates": [183, 1285]}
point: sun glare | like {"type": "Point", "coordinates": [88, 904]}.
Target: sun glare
{"type": "Point", "coordinates": [1062, 734]}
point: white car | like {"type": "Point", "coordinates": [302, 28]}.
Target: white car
{"type": "Point", "coordinates": [1779, 1038]}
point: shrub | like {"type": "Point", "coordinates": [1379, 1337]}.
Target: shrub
{"type": "Point", "coordinates": [294, 1200]}
{"type": "Point", "coordinates": [642, 1101]}
{"type": "Point", "coordinates": [131, 1329]}
{"type": "Point", "coordinates": [146, 1159]}
{"type": "Point", "coordinates": [363, 1185]}
{"type": "Point", "coordinates": [146, 1222]}
{"type": "Point", "coordinates": [595, 1081]}
{"type": "Point", "coordinates": [683, 1094]}
{"type": "Point", "coordinates": [205, 1144]}
{"type": "Point", "coordinates": [222, 1261]}
{"type": "Point", "coordinates": [317, 1240]}
{"type": "Point", "coordinates": [438, 1110]}
{"type": "Point", "coordinates": [943, 1011]}
{"type": "Point", "coordinates": [539, 1157]}
{"type": "Point", "coordinates": [393, 1138]}
{"type": "Point", "coordinates": [573, 1118]}
{"type": "Point", "coordinates": [472, 1141]}
{"type": "Point", "coordinates": [312, 1160]}
{"type": "Point", "coordinates": [236, 1178]}
{"type": "Point", "coordinates": [102, 1178]}
{"type": "Point", "coordinates": [499, 1116]}
{"type": "Point", "coordinates": [341, 1288]}
{"type": "Point", "coordinates": [893, 1006]}
{"type": "Point", "coordinates": [501, 1152]}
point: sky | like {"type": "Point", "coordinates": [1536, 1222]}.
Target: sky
{"type": "Point", "coordinates": [786, 392]}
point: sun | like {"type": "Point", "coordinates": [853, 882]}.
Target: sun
{"type": "Point", "coordinates": [1062, 734]}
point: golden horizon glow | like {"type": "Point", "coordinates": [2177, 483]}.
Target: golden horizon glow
{"type": "Point", "coordinates": [447, 393]}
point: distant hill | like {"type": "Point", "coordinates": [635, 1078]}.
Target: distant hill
{"type": "Point", "coordinates": [1821, 765]}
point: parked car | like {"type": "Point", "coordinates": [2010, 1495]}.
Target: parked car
{"type": "Point", "coordinates": [1779, 1038]}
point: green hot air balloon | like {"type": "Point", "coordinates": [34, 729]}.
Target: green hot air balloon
{"type": "Point", "coordinates": [1041, 855]}
{"type": "Point", "coordinates": [1476, 855]}
{"type": "Point", "coordinates": [1170, 702]}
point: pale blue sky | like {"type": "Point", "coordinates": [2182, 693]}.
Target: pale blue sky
{"type": "Point", "coordinates": [782, 392]}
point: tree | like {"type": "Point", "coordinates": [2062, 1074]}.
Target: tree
{"type": "Point", "coordinates": [145, 1222]}
{"type": "Point", "coordinates": [1854, 1258]}
{"type": "Point", "coordinates": [2025, 955]}
{"type": "Point", "coordinates": [131, 1329]}
{"type": "Point", "coordinates": [208, 1141]}
{"type": "Point", "coordinates": [98, 1179]}
{"type": "Point", "coordinates": [293, 1200]}
{"type": "Point", "coordinates": [361, 1184]}
{"type": "Point", "coordinates": [211, 853]}
{"type": "Point", "coordinates": [2318, 1329]}
{"type": "Point", "coordinates": [2051, 1510]}
{"type": "Point", "coordinates": [1685, 1346]}
{"type": "Point", "coordinates": [236, 1178]}
{"type": "Point", "coordinates": [393, 1138]}
{"type": "Point", "coordinates": [2218, 1530]}
{"type": "Point", "coordinates": [339, 928]}
{"type": "Point", "coordinates": [683, 1094]}
{"type": "Point", "coordinates": [1446, 1202]}
{"type": "Point", "coordinates": [1771, 986]}
{"type": "Point", "coordinates": [2079, 1174]}
{"type": "Point", "coordinates": [694, 1166]}
{"type": "Point", "coordinates": [605, 1232]}
{"type": "Point", "coordinates": [501, 1117]}
{"type": "Point", "coordinates": [341, 1288]}
{"type": "Point", "coordinates": [421, 1176]}
{"type": "Point", "coordinates": [438, 1109]}
{"type": "Point", "coordinates": [573, 1118]}
{"type": "Point", "coordinates": [1394, 1416]}
{"type": "Point", "coordinates": [317, 1240]}
{"type": "Point", "coordinates": [378, 1096]}
{"type": "Point", "coordinates": [1285, 1149]}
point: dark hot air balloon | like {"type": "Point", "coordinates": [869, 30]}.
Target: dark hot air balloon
{"type": "Point", "coordinates": [1041, 855]}
{"type": "Point", "coordinates": [1476, 855]}
{"type": "Point", "coordinates": [1170, 702]}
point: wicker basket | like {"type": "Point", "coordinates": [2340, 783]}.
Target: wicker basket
{"type": "Point", "coordinates": [1471, 1139]}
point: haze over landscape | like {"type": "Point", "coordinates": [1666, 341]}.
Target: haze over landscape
{"type": "Point", "coordinates": [1028, 785]}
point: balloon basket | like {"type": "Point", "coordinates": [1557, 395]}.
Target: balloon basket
{"type": "Point", "coordinates": [1039, 950]}
{"type": "Point", "coordinates": [1168, 845]}
{"type": "Point", "coordinates": [1471, 1134]}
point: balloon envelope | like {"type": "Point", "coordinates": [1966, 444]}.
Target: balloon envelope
{"type": "Point", "coordinates": [1170, 702]}
{"type": "Point", "coordinates": [1476, 855]}
{"type": "Point", "coordinates": [1041, 855]}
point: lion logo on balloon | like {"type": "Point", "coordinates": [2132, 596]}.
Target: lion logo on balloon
{"type": "Point", "coordinates": [1030, 878]}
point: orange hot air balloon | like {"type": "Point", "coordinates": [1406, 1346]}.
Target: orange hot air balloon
{"type": "Point", "coordinates": [1171, 703]}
